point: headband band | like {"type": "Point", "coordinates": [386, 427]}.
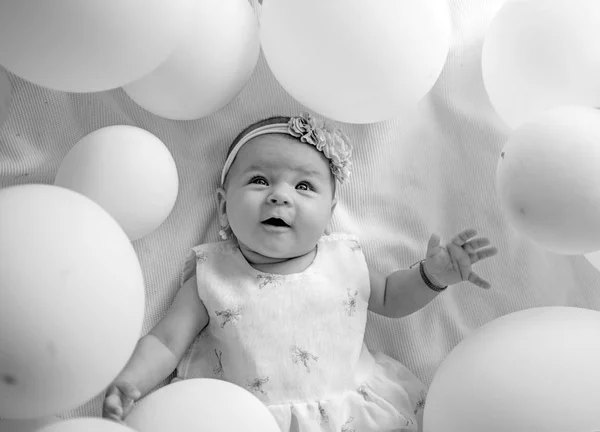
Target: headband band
{"type": "Point", "coordinates": [328, 139]}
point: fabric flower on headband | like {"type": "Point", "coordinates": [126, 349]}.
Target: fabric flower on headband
{"type": "Point", "coordinates": [327, 138]}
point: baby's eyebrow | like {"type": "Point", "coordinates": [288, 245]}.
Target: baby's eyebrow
{"type": "Point", "coordinates": [309, 171]}
{"type": "Point", "coordinates": [306, 170]}
{"type": "Point", "coordinates": [255, 167]}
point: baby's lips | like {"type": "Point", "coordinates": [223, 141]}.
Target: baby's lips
{"type": "Point", "coordinates": [277, 221]}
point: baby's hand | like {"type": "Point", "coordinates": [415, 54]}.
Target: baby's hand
{"type": "Point", "coordinates": [119, 400]}
{"type": "Point", "coordinates": [451, 264]}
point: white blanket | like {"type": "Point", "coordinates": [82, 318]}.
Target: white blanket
{"type": "Point", "coordinates": [431, 170]}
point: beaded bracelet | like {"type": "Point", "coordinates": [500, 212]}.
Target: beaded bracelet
{"type": "Point", "coordinates": [426, 279]}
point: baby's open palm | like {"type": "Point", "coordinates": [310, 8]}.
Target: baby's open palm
{"type": "Point", "coordinates": [452, 263]}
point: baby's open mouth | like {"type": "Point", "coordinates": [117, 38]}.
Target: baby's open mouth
{"type": "Point", "coordinates": [275, 222]}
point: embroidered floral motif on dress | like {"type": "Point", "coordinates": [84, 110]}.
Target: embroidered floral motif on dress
{"type": "Point", "coordinates": [355, 246]}
{"type": "Point", "coordinates": [200, 257]}
{"type": "Point", "coordinates": [299, 355]}
{"type": "Point", "coordinates": [257, 385]}
{"type": "Point", "coordinates": [229, 316]}
{"type": "Point", "coordinates": [350, 304]}
{"type": "Point", "coordinates": [218, 368]}
{"type": "Point", "coordinates": [420, 404]}
{"type": "Point", "coordinates": [323, 414]}
{"type": "Point", "coordinates": [274, 279]}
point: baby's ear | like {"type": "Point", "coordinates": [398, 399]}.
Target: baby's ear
{"type": "Point", "coordinates": [222, 206]}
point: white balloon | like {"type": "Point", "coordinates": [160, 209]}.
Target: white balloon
{"type": "Point", "coordinates": [128, 171]}
{"type": "Point", "coordinates": [539, 54]}
{"type": "Point", "coordinates": [5, 95]}
{"type": "Point", "coordinates": [356, 61]}
{"type": "Point", "coordinates": [91, 45]}
{"type": "Point", "coordinates": [87, 425]}
{"type": "Point", "coordinates": [208, 69]}
{"type": "Point", "coordinates": [548, 180]}
{"type": "Point", "coordinates": [26, 425]}
{"type": "Point", "coordinates": [201, 405]}
{"type": "Point", "coordinates": [532, 370]}
{"type": "Point", "coordinates": [594, 259]}
{"type": "Point", "coordinates": [71, 300]}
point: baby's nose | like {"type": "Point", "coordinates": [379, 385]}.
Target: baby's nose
{"type": "Point", "coordinates": [279, 197]}
{"type": "Point", "coordinates": [279, 200]}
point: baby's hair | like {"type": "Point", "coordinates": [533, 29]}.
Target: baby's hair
{"type": "Point", "coordinates": [260, 123]}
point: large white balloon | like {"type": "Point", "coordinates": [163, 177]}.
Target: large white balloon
{"type": "Point", "coordinates": [91, 45]}
{"type": "Point", "coordinates": [594, 259]}
{"type": "Point", "coordinates": [356, 61]}
{"type": "Point", "coordinates": [201, 405]}
{"type": "Point", "coordinates": [5, 95]}
{"type": "Point", "coordinates": [87, 425]}
{"type": "Point", "coordinates": [532, 370]}
{"type": "Point", "coordinates": [548, 180]}
{"type": "Point", "coordinates": [128, 171]}
{"type": "Point", "coordinates": [26, 425]}
{"type": "Point", "coordinates": [210, 67]}
{"type": "Point", "coordinates": [71, 300]}
{"type": "Point", "coordinates": [539, 54]}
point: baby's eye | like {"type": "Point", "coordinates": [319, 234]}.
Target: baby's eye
{"type": "Point", "coordinates": [259, 181]}
{"type": "Point", "coordinates": [304, 186]}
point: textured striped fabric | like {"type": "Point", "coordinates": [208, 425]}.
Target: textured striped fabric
{"type": "Point", "coordinates": [432, 169]}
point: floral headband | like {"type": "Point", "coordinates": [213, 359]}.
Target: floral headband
{"type": "Point", "coordinates": [328, 139]}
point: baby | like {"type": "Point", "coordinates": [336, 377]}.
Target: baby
{"type": "Point", "coordinates": [279, 307]}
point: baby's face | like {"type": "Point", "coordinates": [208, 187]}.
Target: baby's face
{"type": "Point", "coordinates": [279, 196]}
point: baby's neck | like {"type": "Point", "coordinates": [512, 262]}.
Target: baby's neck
{"type": "Point", "coordinates": [283, 266]}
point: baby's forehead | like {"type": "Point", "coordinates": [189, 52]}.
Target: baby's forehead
{"type": "Point", "coordinates": [278, 141]}
{"type": "Point", "coordinates": [280, 148]}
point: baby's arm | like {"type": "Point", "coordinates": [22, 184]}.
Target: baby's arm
{"type": "Point", "coordinates": [399, 294]}
{"type": "Point", "coordinates": [158, 353]}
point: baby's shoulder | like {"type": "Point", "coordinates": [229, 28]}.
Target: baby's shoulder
{"type": "Point", "coordinates": [206, 254]}
{"type": "Point", "coordinates": [341, 239]}
{"type": "Point", "coordinates": [342, 251]}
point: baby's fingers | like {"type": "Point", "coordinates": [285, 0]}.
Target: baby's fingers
{"type": "Point", "coordinates": [130, 391]}
{"type": "Point", "coordinates": [475, 279]}
{"type": "Point", "coordinates": [112, 407]}
{"type": "Point", "coordinates": [112, 417]}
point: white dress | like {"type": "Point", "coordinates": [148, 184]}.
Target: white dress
{"type": "Point", "coordinates": [296, 341]}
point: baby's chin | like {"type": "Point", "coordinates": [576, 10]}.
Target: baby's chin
{"type": "Point", "coordinates": [273, 253]}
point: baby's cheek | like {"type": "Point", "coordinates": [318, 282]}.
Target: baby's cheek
{"type": "Point", "coordinates": [243, 207]}
{"type": "Point", "coordinates": [317, 221]}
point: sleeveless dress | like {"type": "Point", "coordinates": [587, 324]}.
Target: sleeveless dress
{"type": "Point", "coordinates": [297, 341]}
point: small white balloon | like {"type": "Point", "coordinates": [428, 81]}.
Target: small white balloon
{"type": "Point", "coordinates": [208, 69]}
{"type": "Point", "coordinates": [539, 54]}
{"type": "Point", "coordinates": [201, 405]}
{"type": "Point", "coordinates": [71, 300]}
{"type": "Point", "coordinates": [356, 61]}
{"type": "Point", "coordinates": [548, 181]}
{"type": "Point", "coordinates": [91, 45]}
{"type": "Point", "coordinates": [87, 425]}
{"type": "Point", "coordinates": [531, 370]}
{"type": "Point", "coordinates": [5, 95]}
{"type": "Point", "coordinates": [128, 171]}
